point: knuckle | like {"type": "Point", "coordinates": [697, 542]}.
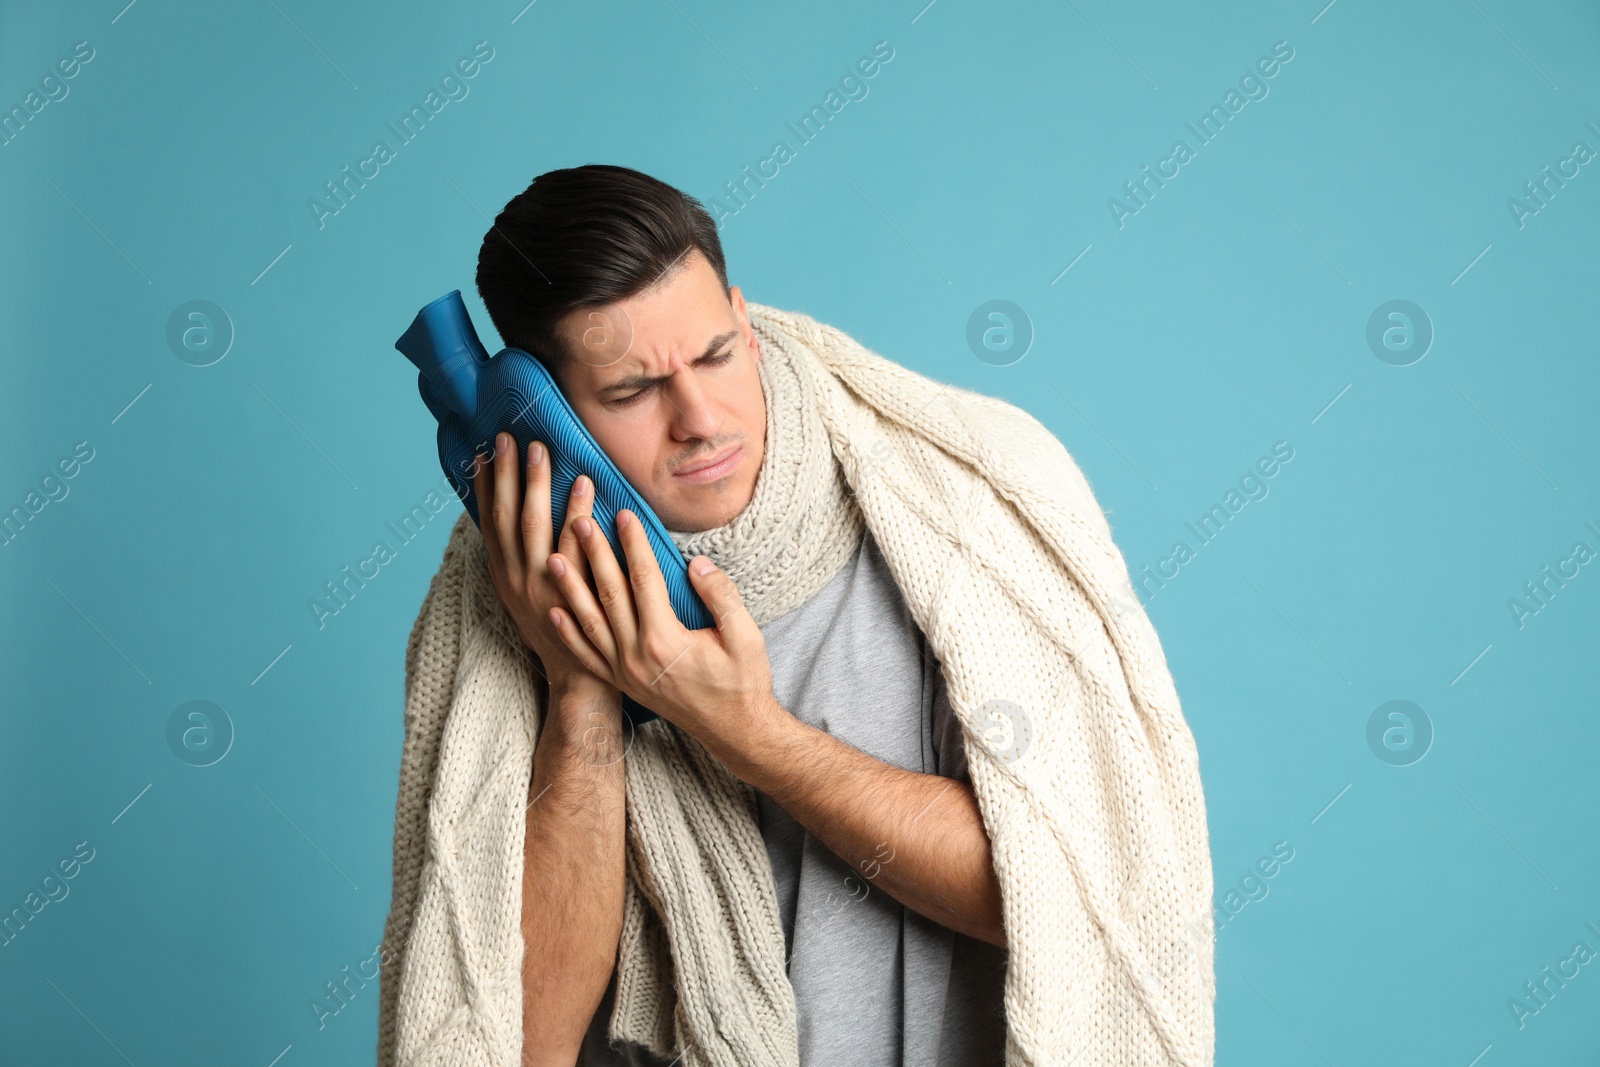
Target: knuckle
{"type": "Point", "coordinates": [654, 650]}
{"type": "Point", "coordinates": [642, 562]}
{"type": "Point", "coordinates": [639, 673]}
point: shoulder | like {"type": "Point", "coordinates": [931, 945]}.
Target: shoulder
{"type": "Point", "coordinates": [1016, 451]}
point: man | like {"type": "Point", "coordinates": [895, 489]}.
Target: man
{"type": "Point", "coordinates": [800, 862]}
{"type": "Point", "coordinates": [834, 711]}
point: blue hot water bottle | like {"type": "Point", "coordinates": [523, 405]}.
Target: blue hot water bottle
{"type": "Point", "coordinates": [474, 397]}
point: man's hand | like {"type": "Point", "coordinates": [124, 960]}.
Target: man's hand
{"type": "Point", "coordinates": [920, 837]}
{"type": "Point", "coordinates": [712, 682]}
{"type": "Point", "coordinates": [517, 532]}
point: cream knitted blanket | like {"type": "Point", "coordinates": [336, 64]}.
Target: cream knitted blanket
{"type": "Point", "coordinates": [1084, 768]}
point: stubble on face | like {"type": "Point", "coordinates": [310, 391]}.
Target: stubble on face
{"type": "Point", "coordinates": [677, 423]}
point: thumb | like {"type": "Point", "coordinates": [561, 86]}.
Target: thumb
{"type": "Point", "coordinates": [722, 597]}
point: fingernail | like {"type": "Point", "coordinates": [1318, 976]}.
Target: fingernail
{"type": "Point", "coordinates": [702, 566]}
{"type": "Point", "coordinates": [624, 520]}
{"type": "Point", "coordinates": [500, 443]}
{"type": "Point", "coordinates": [584, 484]}
{"type": "Point", "coordinates": [558, 566]}
{"type": "Point", "coordinates": [535, 454]}
{"type": "Point", "coordinates": [582, 525]}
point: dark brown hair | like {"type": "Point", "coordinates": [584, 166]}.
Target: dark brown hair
{"type": "Point", "coordinates": [584, 237]}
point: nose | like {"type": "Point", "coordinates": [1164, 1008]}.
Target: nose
{"type": "Point", "coordinates": [695, 415]}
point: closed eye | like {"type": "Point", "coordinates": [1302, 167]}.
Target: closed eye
{"type": "Point", "coordinates": [634, 398]}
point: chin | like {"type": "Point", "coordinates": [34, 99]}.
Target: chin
{"type": "Point", "coordinates": [712, 514]}
{"type": "Point", "coordinates": [703, 507]}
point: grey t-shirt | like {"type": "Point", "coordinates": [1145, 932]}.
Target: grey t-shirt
{"type": "Point", "coordinates": [876, 984]}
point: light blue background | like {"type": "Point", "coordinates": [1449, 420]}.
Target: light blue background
{"type": "Point", "coordinates": [1228, 314]}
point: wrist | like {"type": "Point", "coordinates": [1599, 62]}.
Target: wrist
{"type": "Point", "coordinates": [580, 685]}
{"type": "Point", "coordinates": [582, 727]}
{"type": "Point", "coordinates": [750, 741]}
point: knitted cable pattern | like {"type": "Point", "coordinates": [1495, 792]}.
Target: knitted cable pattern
{"type": "Point", "coordinates": [1084, 768]}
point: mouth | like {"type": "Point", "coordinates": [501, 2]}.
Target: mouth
{"type": "Point", "coordinates": [712, 467]}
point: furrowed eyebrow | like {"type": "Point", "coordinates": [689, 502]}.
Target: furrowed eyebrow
{"type": "Point", "coordinates": [639, 381]}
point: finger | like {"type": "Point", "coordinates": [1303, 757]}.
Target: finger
{"type": "Point", "coordinates": [722, 597]}
{"type": "Point", "coordinates": [581, 647]}
{"type": "Point", "coordinates": [582, 606]}
{"type": "Point", "coordinates": [610, 584]}
{"type": "Point", "coordinates": [536, 542]}
{"type": "Point", "coordinates": [644, 575]}
{"type": "Point", "coordinates": [580, 504]}
{"type": "Point", "coordinates": [483, 493]}
{"type": "Point", "coordinates": [507, 505]}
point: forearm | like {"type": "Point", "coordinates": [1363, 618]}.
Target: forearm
{"type": "Point", "coordinates": [918, 837]}
{"type": "Point", "coordinates": [573, 873]}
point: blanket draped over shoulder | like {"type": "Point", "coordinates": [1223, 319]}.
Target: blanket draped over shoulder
{"type": "Point", "coordinates": [1084, 768]}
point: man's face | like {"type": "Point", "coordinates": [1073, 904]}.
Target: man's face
{"type": "Point", "coordinates": [666, 381]}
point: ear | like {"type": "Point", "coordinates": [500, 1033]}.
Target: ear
{"type": "Point", "coordinates": [742, 314]}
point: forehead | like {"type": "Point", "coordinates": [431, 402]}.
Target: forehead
{"type": "Point", "coordinates": [678, 316]}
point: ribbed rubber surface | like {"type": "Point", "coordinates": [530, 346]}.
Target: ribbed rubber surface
{"type": "Point", "coordinates": [516, 394]}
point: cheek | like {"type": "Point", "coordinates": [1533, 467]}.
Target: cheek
{"type": "Point", "coordinates": [754, 405]}
{"type": "Point", "coordinates": [755, 427]}
{"type": "Point", "coordinates": [632, 449]}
